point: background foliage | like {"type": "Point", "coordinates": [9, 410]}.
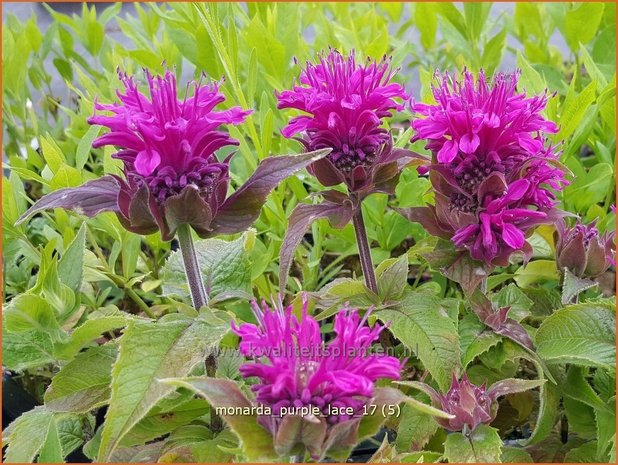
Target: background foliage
{"type": "Point", "coordinates": [71, 283]}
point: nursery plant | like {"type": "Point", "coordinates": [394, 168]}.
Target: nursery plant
{"type": "Point", "coordinates": [303, 232]}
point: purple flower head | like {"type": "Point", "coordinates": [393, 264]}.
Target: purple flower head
{"type": "Point", "coordinates": [168, 149]}
{"type": "Point", "coordinates": [344, 104]}
{"type": "Point", "coordinates": [493, 172]}
{"type": "Point", "coordinates": [295, 368]}
{"type": "Point", "coordinates": [172, 175]}
{"type": "Point", "coordinates": [583, 250]}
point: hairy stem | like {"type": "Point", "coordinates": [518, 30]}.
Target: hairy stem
{"type": "Point", "coordinates": [364, 251]}
{"type": "Point", "coordinates": [192, 267]}
{"type": "Point", "coordinates": [199, 298]}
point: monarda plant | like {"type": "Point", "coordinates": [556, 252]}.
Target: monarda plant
{"type": "Point", "coordinates": [344, 105]}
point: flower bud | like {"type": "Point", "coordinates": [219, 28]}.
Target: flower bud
{"type": "Point", "coordinates": [470, 404]}
{"type": "Point", "coordinates": [583, 250]}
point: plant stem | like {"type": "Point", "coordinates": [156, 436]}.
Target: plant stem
{"type": "Point", "coordinates": [200, 299]}
{"type": "Point", "coordinates": [192, 267]}
{"type": "Point", "coordinates": [369, 273]}
{"type": "Point", "coordinates": [116, 280]}
{"type": "Point", "coordinates": [364, 251]}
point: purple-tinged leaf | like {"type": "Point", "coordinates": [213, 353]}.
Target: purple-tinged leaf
{"type": "Point", "coordinates": [426, 217]}
{"type": "Point", "coordinates": [138, 212]}
{"type": "Point", "coordinates": [339, 214]}
{"type": "Point", "coordinates": [314, 435]}
{"type": "Point", "coordinates": [288, 434]}
{"type": "Point", "coordinates": [199, 216]}
{"type": "Point", "coordinates": [89, 199]}
{"type": "Point", "coordinates": [512, 386]}
{"type": "Point", "coordinates": [243, 207]}
{"type": "Point", "coordinates": [498, 320]}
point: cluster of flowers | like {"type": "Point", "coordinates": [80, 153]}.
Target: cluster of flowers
{"type": "Point", "coordinates": [343, 105]}
{"type": "Point", "coordinates": [305, 371]}
{"type": "Point", "coordinates": [493, 173]}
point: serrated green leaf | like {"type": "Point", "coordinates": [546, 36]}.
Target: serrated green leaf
{"type": "Point", "coordinates": [423, 325]}
{"type": "Point", "coordinates": [414, 430]}
{"type": "Point", "coordinates": [536, 271]}
{"type": "Point", "coordinates": [85, 146]}
{"type": "Point", "coordinates": [581, 23]}
{"type": "Point", "coordinates": [580, 390]}
{"type": "Point", "coordinates": [225, 268]}
{"type": "Point", "coordinates": [31, 349]}
{"type": "Point", "coordinates": [51, 451]}
{"type": "Point", "coordinates": [483, 445]}
{"type": "Point", "coordinates": [161, 421]}
{"type": "Point", "coordinates": [573, 285]}
{"type": "Point", "coordinates": [71, 265]}
{"type": "Point", "coordinates": [88, 331]}
{"type": "Point", "coordinates": [583, 334]}
{"type": "Point", "coordinates": [392, 278]}
{"type": "Point", "coordinates": [514, 297]}
{"type": "Point", "coordinates": [28, 312]}
{"type": "Point", "coordinates": [84, 383]}
{"type": "Point", "coordinates": [474, 338]}
{"type": "Point", "coordinates": [149, 351]}
{"type": "Point", "coordinates": [515, 455]}
{"type": "Point", "coordinates": [28, 434]}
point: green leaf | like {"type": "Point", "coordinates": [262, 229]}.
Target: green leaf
{"type": "Point", "coordinates": [422, 324]}
{"type": "Point", "coordinates": [593, 70]}
{"type": "Point", "coordinates": [51, 452]}
{"type": "Point", "coordinates": [256, 441]}
{"type": "Point", "coordinates": [515, 455]}
{"type": "Point", "coordinates": [574, 285]}
{"type": "Point", "coordinates": [52, 153]}
{"type": "Point", "coordinates": [28, 312]}
{"type": "Point", "coordinates": [530, 80]}
{"type": "Point", "coordinates": [84, 383]}
{"type": "Point", "coordinates": [85, 146]}
{"type": "Point", "coordinates": [415, 429]}
{"type": "Point", "coordinates": [225, 267]}
{"type": "Point", "coordinates": [492, 53]}
{"type": "Point", "coordinates": [583, 334]}
{"type": "Point", "coordinates": [581, 23]}
{"type": "Point", "coordinates": [574, 108]}
{"type": "Point", "coordinates": [483, 445]}
{"type": "Point", "coordinates": [514, 297]}
{"type": "Point", "coordinates": [162, 420]}
{"type": "Point", "coordinates": [344, 290]}
{"type": "Point", "coordinates": [30, 349]}
{"type": "Point", "coordinates": [606, 428]}
{"type": "Point", "coordinates": [71, 265]}
{"type": "Point", "coordinates": [548, 411]}
{"type": "Point", "coordinates": [90, 330]}
{"type": "Point", "coordinates": [27, 436]}
{"type": "Point", "coordinates": [475, 338]}
{"type": "Point", "coordinates": [580, 390]}
{"type": "Point", "coordinates": [591, 187]}
{"type": "Point", "coordinates": [533, 272]}
{"type": "Point", "coordinates": [149, 351]}
{"type": "Point", "coordinates": [583, 454]}
{"type": "Point", "coordinates": [426, 21]}
{"type": "Point", "coordinates": [392, 278]}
